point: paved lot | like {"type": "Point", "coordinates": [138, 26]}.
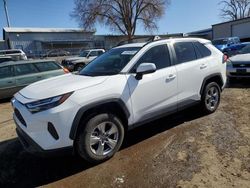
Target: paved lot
{"type": "Point", "coordinates": [185, 150]}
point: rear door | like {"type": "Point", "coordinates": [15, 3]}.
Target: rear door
{"type": "Point", "coordinates": [48, 69]}
{"type": "Point", "coordinates": [7, 82]}
{"type": "Point", "coordinates": [191, 69]}
{"type": "Point", "coordinates": [26, 74]}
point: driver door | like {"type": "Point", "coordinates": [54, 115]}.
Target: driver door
{"type": "Point", "coordinates": [155, 94]}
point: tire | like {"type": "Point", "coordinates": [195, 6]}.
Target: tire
{"type": "Point", "coordinates": [78, 67]}
{"type": "Point", "coordinates": [210, 99]}
{"type": "Point", "coordinates": [94, 143]}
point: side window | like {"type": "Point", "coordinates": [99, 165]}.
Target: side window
{"type": "Point", "coordinates": [159, 55]}
{"type": "Point", "coordinates": [25, 69]}
{"type": "Point", "coordinates": [202, 50]}
{"type": "Point", "coordinates": [185, 52]}
{"type": "Point", "coordinates": [5, 72]}
{"type": "Point", "coordinates": [47, 66]}
{"type": "Point", "coordinates": [100, 53]}
{"type": "Point", "coordinates": [93, 53]}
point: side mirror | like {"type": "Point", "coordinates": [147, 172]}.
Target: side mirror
{"type": "Point", "coordinates": [144, 68]}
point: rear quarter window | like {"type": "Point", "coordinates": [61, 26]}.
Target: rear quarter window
{"type": "Point", "coordinates": [47, 66]}
{"type": "Point", "coordinates": [202, 49]}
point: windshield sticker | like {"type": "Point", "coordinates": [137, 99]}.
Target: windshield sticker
{"type": "Point", "coordinates": [129, 52]}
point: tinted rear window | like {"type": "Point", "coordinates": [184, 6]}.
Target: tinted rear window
{"type": "Point", "coordinates": [203, 50]}
{"type": "Point", "coordinates": [47, 66]}
{"type": "Point", "coordinates": [13, 52]}
{"type": "Point", "coordinates": [185, 52]}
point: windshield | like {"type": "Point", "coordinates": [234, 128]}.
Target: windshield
{"type": "Point", "coordinates": [110, 63]}
{"type": "Point", "coordinates": [84, 53]}
{"type": "Point", "coordinates": [245, 50]}
{"type": "Point", "coordinates": [220, 42]}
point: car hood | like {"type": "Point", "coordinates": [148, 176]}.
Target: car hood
{"type": "Point", "coordinates": [59, 85]}
{"type": "Point", "coordinates": [240, 58]}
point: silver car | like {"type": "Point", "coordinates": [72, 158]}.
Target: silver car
{"type": "Point", "coordinates": [15, 75]}
{"type": "Point", "coordinates": [15, 54]}
{"type": "Point", "coordinates": [238, 66]}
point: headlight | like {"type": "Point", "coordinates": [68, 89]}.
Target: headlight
{"type": "Point", "coordinates": [46, 104]}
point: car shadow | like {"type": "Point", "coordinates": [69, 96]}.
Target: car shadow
{"type": "Point", "coordinates": [5, 100]}
{"type": "Point", "coordinates": [239, 83]}
{"type": "Point", "coordinates": [21, 169]}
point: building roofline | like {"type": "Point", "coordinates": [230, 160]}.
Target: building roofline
{"type": "Point", "coordinates": [231, 21]}
{"type": "Point", "coordinates": [47, 30]}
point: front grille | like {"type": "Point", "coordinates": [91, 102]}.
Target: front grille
{"type": "Point", "coordinates": [242, 65]}
{"type": "Point", "coordinates": [20, 117]}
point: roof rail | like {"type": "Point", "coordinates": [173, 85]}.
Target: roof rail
{"type": "Point", "coordinates": [139, 39]}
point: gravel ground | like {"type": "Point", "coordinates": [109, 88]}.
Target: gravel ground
{"type": "Point", "coordinates": [187, 149]}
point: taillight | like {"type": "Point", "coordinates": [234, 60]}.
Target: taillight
{"type": "Point", "coordinates": [225, 58]}
{"type": "Point", "coordinates": [65, 70]}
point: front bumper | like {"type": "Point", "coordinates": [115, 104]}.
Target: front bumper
{"type": "Point", "coordinates": [32, 147]}
{"type": "Point", "coordinates": [238, 72]}
{"type": "Point", "coordinates": [44, 131]}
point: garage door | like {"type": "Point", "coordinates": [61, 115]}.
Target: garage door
{"type": "Point", "coordinates": [241, 30]}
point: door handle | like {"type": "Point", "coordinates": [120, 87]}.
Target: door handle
{"type": "Point", "coordinates": [9, 82]}
{"type": "Point", "coordinates": [203, 66]}
{"type": "Point", "coordinates": [39, 77]}
{"type": "Point", "coordinates": [171, 77]}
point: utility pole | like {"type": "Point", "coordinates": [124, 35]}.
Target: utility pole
{"type": "Point", "coordinates": [6, 13]}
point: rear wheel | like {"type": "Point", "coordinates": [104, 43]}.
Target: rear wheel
{"type": "Point", "coordinates": [101, 138]}
{"type": "Point", "coordinates": [211, 97]}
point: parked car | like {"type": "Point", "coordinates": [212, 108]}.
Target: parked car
{"type": "Point", "coordinates": [5, 58]}
{"type": "Point", "coordinates": [238, 66]}
{"type": "Point", "coordinates": [15, 75]}
{"type": "Point", "coordinates": [223, 43]}
{"type": "Point", "coordinates": [15, 54]}
{"type": "Point", "coordinates": [234, 49]}
{"type": "Point", "coordinates": [77, 63]}
{"type": "Point", "coordinates": [56, 53]}
{"type": "Point", "coordinates": [122, 89]}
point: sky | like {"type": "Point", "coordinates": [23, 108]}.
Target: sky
{"type": "Point", "coordinates": [180, 17]}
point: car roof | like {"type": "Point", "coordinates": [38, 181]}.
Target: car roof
{"type": "Point", "coordinates": [203, 41]}
{"type": "Point", "coordinates": [24, 62]}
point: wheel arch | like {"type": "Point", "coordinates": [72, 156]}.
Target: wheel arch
{"type": "Point", "coordinates": [217, 77]}
{"type": "Point", "coordinates": [117, 106]}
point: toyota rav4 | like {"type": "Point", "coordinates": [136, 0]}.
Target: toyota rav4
{"type": "Point", "coordinates": [89, 112]}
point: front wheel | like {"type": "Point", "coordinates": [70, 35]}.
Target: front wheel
{"type": "Point", "coordinates": [101, 138]}
{"type": "Point", "coordinates": [211, 98]}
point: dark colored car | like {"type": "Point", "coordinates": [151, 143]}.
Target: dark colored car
{"type": "Point", "coordinates": [235, 49]}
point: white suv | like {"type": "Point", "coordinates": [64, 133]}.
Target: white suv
{"type": "Point", "coordinates": [125, 87]}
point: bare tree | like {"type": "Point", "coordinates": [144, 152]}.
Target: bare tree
{"type": "Point", "coordinates": [119, 15]}
{"type": "Point", "coordinates": [235, 9]}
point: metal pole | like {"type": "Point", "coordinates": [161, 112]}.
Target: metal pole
{"type": "Point", "coordinates": [6, 12]}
